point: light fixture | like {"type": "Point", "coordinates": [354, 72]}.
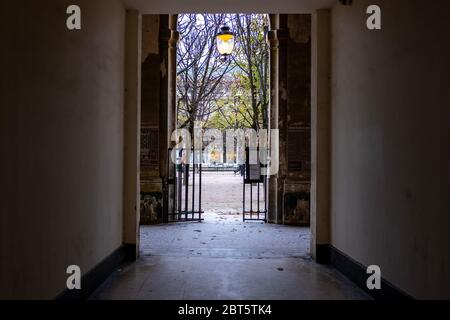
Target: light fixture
{"type": "Point", "coordinates": [225, 41]}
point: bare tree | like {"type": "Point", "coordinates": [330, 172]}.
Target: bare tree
{"type": "Point", "coordinates": [252, 58]}
{"type": "Point", "coordinates": [207, 85]}
{"type": "Point", "coordinates": [201, 73]}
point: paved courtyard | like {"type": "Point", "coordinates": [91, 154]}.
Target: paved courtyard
{"type": "Point", "coordinates": [222, 192]}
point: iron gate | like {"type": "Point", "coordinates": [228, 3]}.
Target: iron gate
{"type": "Point", "coordinates": [254, 188]}
{"type": "Point", "coordinates": [185, 188]}
{"type": "Point", "coordinates": [184, 185]}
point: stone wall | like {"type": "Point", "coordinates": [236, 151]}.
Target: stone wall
{"type": "Point", "coordinates": [297, 122]}
{"type": "Point", "coordinates": [151, 108]}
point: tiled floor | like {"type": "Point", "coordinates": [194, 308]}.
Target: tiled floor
{"type": "Point", "coordinates": [223, 258]}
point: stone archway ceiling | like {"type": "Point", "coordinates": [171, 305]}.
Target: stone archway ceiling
{"type": "Point", "coordinates": [214, 6]}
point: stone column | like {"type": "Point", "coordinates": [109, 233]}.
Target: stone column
{"type": "Point", "coordinates": [164, 36]}
{"type": "Point", "coordinates": [297, 123]}
{"type": "Point", "coordinates": [320, 135]}
{"type": "Point", "coordinates": [172, 74]}
{"type": "Point", "coordinates": [273, 42]}
{"type": "Point", "coordinates": [282, 36]}
{"type": "Point", "coordinates": [172, 95]}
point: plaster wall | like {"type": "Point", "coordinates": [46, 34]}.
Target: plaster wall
{"type": "Point", "coordinates": [61, 136]}
{"type": "Point", "coordinates": [390, 177]}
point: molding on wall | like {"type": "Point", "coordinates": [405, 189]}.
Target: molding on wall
{"type": "Point", "coordinates": [131, 253]}
{"type": "Point", "coordinates": [96, 276]}
{"type": "Point", "coordinates": [356, 272]}
{"type": "Point", "coordinates": [322, 253]}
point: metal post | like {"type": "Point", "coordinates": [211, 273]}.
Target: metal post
{"type": "Point", "coordinates": [193, 186]}
{"type": "Point", "coordinates": [200, 190]}
{"type": "Point", "coordinates": [180, 188]}
{"type": "Point", "coordinates": [258, 200]}
{"type": "Point", "coordinates": [243, 198]}
{"type": "Point", "coordinates": [251, 200]}
{"type": "Point", "coordinates": [186, 190]}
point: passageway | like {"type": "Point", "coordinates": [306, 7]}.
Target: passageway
{"type": "Point", "coordinates": [361, 116]}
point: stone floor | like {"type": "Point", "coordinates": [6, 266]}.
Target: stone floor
{"type": "Point", "coordinates": [225, 236]}
{"type": "Point", "coordinates": [224, 258]}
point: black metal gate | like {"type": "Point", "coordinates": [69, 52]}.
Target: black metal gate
{"type": "Point", "coordinates": [185, 185]}
{"type": "Point", "coordinates": [254, 189]}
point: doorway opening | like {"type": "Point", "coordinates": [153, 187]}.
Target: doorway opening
{"type": "Point", "coordinates": [223, 96]}
{"type": "Point", "coordinates": [217, 184]}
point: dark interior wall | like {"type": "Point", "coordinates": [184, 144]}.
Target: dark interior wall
{"type": "Point", "coordinates": [390, 149]}
{"type": "Point", "coordinates": [297, 121]}
{"type": "Point", "coordinates": [61, 132]}
{"type": "Point", "coordinates": [154, 71]}
{"type": "Point", "coordinates": [151, 67]}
